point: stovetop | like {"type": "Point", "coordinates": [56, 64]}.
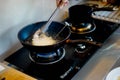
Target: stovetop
{"type": "Point", "coordinates": [73, 61]}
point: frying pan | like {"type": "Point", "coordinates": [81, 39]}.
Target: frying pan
{"type": "Point", "coordinates": [53, 30]}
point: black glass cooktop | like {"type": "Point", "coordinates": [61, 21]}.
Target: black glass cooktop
{"type": "Point", "coordinates": [73, 61]}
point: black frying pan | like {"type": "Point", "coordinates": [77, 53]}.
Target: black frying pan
{"type": "Point", "coordinates": [53, 30]}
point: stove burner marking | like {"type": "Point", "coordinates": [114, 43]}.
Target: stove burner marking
{"type": "Point", "coordinates": [63, 54]}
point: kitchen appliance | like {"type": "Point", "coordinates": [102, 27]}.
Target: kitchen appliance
{"type": "Point", "coordinates": [75, 55]}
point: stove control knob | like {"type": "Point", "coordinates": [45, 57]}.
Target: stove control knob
{"type": "Point", "coordinates": [80, 51]}
{"type": "Point", "coordinates": [89, 38]}
{"type": "Point", "coordinates": [80, 48]}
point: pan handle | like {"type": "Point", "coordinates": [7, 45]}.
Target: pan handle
{"type": "Point", "coordinates": [98, 44]}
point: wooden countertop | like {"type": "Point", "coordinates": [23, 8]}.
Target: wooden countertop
{"type": "Point", "coordinates": [8, 73]}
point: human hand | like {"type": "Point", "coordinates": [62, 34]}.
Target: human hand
{"type": "Point", "coordinates": [62, 3]}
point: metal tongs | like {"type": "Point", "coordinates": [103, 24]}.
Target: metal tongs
{"type": "Point", "coordinates": [45, 27]}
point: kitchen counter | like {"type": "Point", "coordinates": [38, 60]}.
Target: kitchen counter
{"type": "Point", "coordinates": [5, 74]}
